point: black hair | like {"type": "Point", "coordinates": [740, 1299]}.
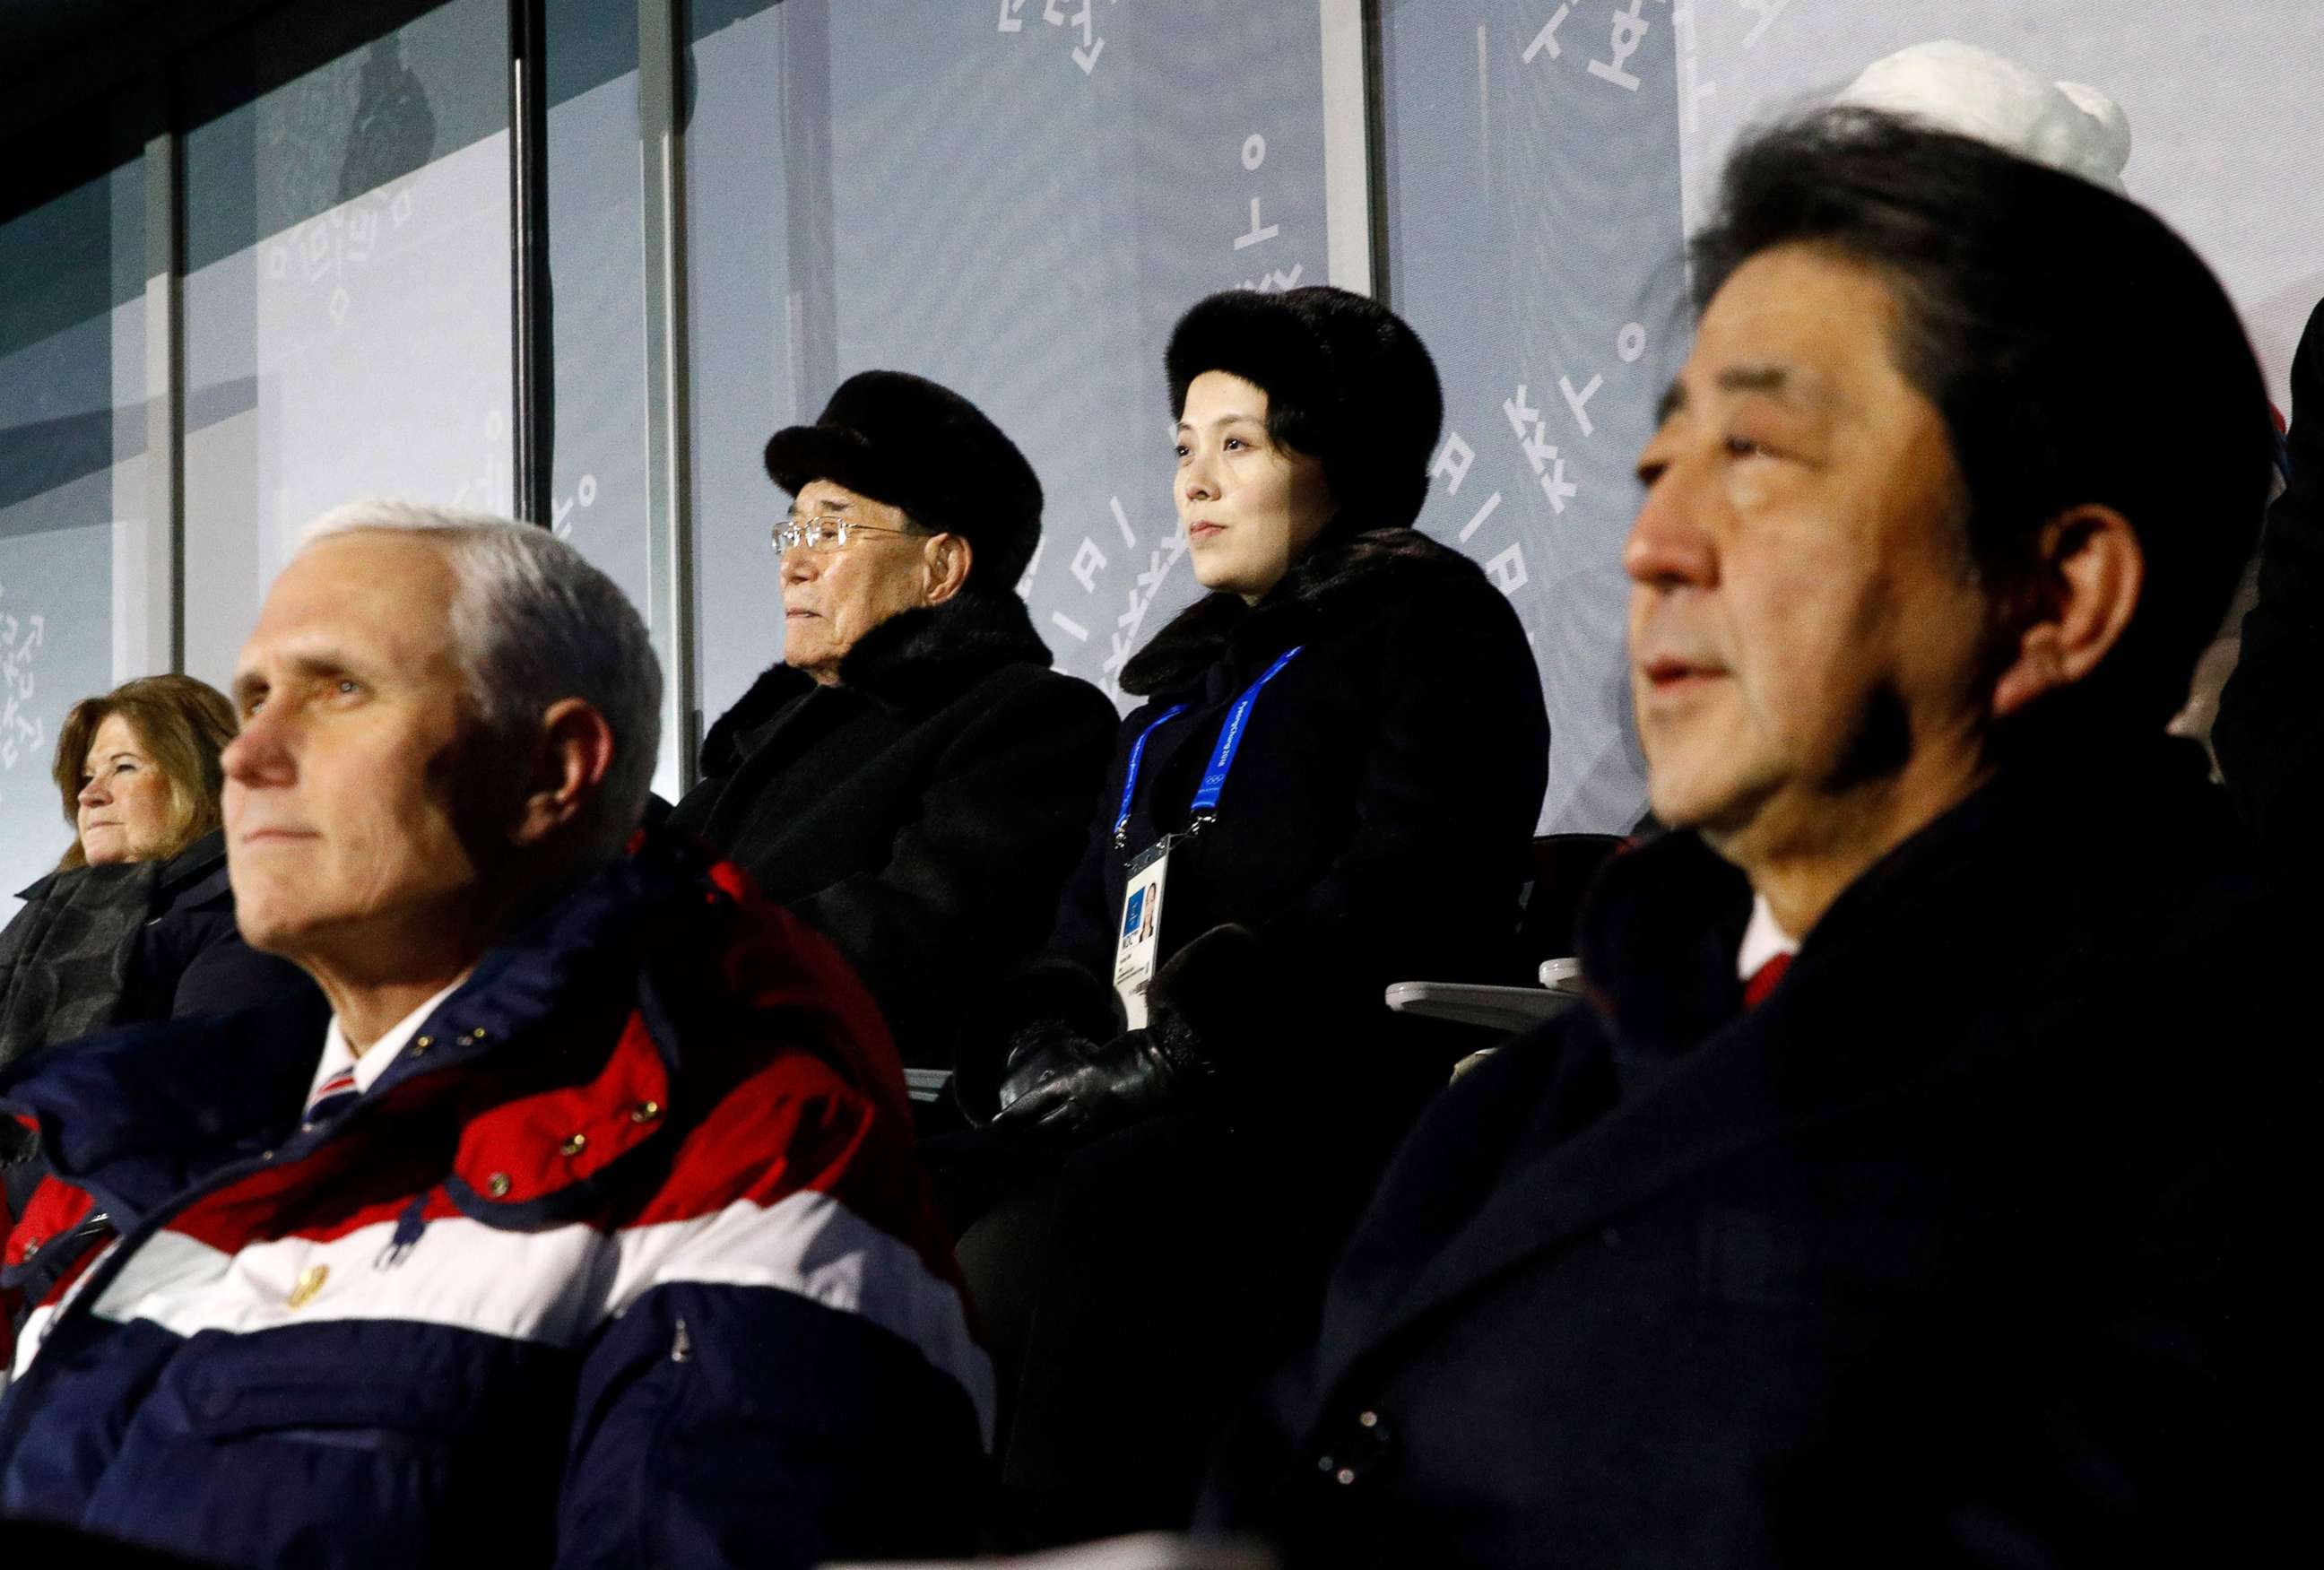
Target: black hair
{"type": "Point", "coordinates": [2079, 351]}
{"type": "Point", "coordinates": [1347, 383]}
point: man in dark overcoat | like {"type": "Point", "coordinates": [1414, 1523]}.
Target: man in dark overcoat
{"type": "Point", "coordinates": [1892, 1198]}
{"type": "Point", "coordinates": [911, 779]}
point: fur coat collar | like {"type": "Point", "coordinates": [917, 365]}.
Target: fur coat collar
{"type": "Point", "coordinates": [1341, 582]}
{"type": "Point", "coordinates": [915, 661]}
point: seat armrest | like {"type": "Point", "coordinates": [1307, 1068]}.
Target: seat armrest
{"type": "Point", "coordinates": [1474, 1003]}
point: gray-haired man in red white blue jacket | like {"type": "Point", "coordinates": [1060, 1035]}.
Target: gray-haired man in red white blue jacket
{"type": "Point", "coordinates": [589, 1234]}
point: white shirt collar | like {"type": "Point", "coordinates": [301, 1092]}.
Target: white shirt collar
{"type": "Point", "coordinates": [1762, 940]}
{"type": "Point", "coordinates": [338, 1057]}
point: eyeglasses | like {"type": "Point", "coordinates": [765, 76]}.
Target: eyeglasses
{"type": "Point", "coordinates": [816, 534]}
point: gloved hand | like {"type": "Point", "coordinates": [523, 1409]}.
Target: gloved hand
{"type": "Point", "coordinates": [1050, 994]}
{"type": "Point", "coordinates": [1061, 1089]}
{"type": "Point", "coordinates": [1208, 1001]}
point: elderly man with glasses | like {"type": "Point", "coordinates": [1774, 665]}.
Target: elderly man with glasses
{"type": "Point", "coordinates": [911, 779]}
{"type": "Point", "coordinates": [588, 1232]}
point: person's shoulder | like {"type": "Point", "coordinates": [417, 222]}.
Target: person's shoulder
{"type": "Point", "coordinates": [733, 734]}
{"type": "Point", "coordinates": [1402, 578]}
{"type": "Point", "coordinates": [1445, 582]}
{"type": "Point", "coordinates": [1056, 698]}
{"type": "Point", "coordinates": [765, 1000]}
{"type": "Point", "coordinates": [793, 1079]}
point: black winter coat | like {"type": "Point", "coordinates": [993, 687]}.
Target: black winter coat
{"type": "Point", "coordinates": [1373, 829]}
{"type": "Point", "coordinates": [98, 947]}
{"type": "Point", "coordinates": [1943, 1254]}
{"type": "Point", "coordinates": [922, 813]}
{"type": "Point", "coordinates": [2270, 732]}
{"type": "Point", "coordinates": [1375, 824]}
{"type": "Point", "coordinates": [94, 947]}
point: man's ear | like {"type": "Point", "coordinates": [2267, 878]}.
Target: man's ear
{"type": "Point", "coordinates": [948, 557]}
{"type": "Point", "coordinates": [570, 757]}
{"type": "Point", "coordinates": [2089, 571]}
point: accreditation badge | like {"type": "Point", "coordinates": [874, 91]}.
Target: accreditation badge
{"type": "Point", "coordinates": [1135, 955]}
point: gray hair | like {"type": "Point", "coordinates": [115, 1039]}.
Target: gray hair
{"type": "Point", "coordinates": [532, 622]}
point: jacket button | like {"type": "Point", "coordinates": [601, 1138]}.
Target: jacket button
{"type": "Point", "coordinates": [574, 1144]}
{"type": "Point", "coordinates": [497, 1184]}
{"type": "Point", "coordinates": [646, 1112]}
{"type": "Point", "coordinates": [420, 1044]}
{"type": "Point", "coordinates": [1368, 1419]}
{"type": "Point", "coordinates": [476, 1035]}
{"type": "Point", "coordinates": [31, 1248]}
{"type": "Point", "coordinates": [1345, 1475]}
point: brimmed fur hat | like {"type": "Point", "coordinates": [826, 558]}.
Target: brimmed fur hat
{"type": "Point", "coordinates": [905, 440]}
{"type": "Point", "coordinates": [1346, 381]}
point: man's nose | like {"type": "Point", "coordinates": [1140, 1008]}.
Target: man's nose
{"type": "Point", "coordinates": [1667, 545]}
{"type": "Point", "coordinates": [798, 565]}
{"type": "Point", "coordinates": [259, 754]}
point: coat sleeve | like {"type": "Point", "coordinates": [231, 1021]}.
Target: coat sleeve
{"type": "Point", "coordinates": [2270, 732]}
{"type": "Point", "coordinates": [786, 1372]}
{"type": "Point", "coordinates": [969, 885]}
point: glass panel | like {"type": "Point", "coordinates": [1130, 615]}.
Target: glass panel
{"type": "Point", "coordinates": [1017, 199]}
{"type": "Point", "coordinates": [72, 486]}
{"type": "Point", "coordinates": [595, 316]}
{"type": "Point", "coordinates": [1532, 183]}
{"type": "Point", "coordinates": [346, 298]}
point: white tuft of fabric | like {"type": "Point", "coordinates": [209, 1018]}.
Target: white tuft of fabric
{"type": "Point", "coordinates": [1958, 87]}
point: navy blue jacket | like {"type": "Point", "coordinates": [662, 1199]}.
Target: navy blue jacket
{"type": "Point", "coordinates": [624, 1260]}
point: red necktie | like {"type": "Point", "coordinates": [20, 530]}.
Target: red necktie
{"type": "Point", "coordinates": [1763, 979]}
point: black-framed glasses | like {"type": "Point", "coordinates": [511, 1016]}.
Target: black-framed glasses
{"type": "Point", "coordinates": [822, 533]}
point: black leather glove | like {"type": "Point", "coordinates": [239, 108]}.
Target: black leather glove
{"type": "Point", "coordinates": [1049, 994]}
{"type": "Point", "coordinates": [1209, 1003]}
{"type": "Point", "coordinates": [1061, 1089]}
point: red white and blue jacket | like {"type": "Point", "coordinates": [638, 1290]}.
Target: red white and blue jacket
{"type": "Point", "coordinates": [624, 1260]}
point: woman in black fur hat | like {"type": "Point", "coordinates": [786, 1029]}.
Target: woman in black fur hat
{"type": "Point", "coordinates": [1339, 763]}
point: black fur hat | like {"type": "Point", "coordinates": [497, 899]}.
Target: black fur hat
{"type": "Point", "coordinates": [1346, 381]}
{"type": "Point", "coordinates": [903, 439]}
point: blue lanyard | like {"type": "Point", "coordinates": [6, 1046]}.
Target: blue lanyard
{"type": "Point", "coordinates": [1137, 757]}
{"type": "Point", "coordinates": [1222, 756]}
